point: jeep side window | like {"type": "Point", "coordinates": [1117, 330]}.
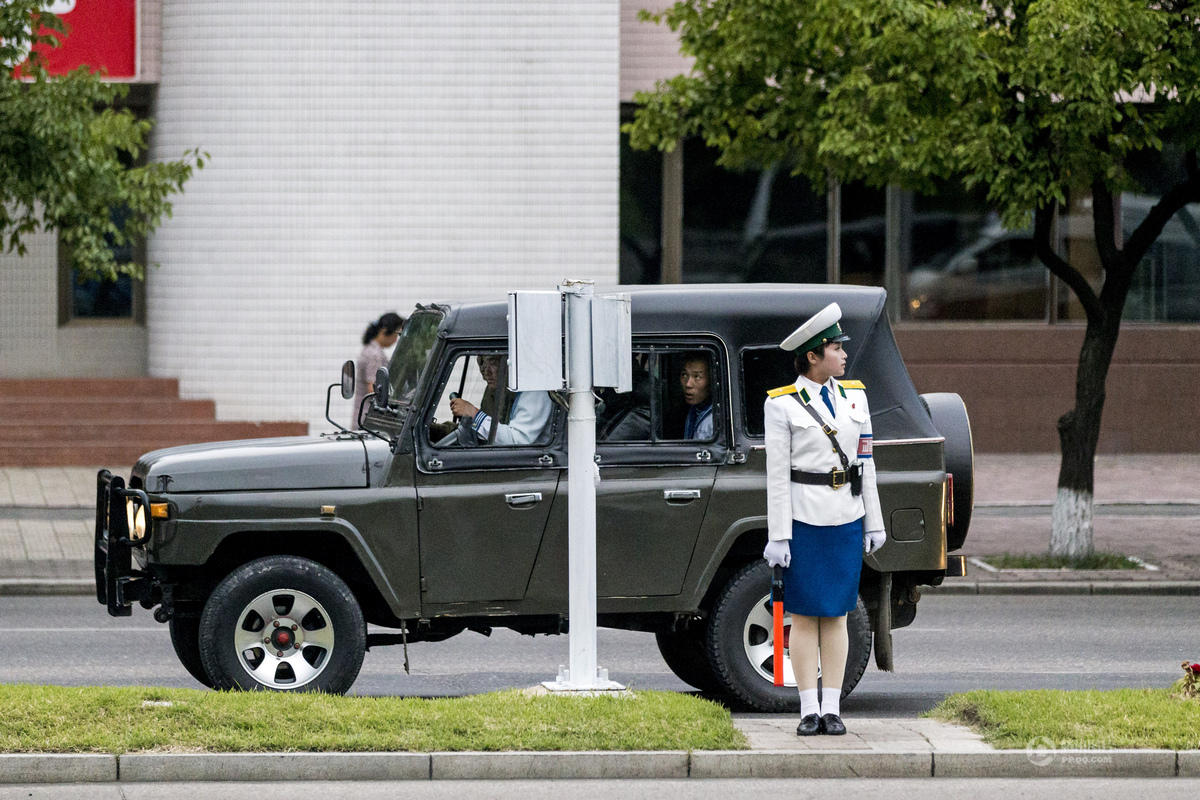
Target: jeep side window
{"type": "Point", "coordinates": [494, 415]}
{"type": "Point", "coordinates": [672, 399]}
{"type": "Point", "coordinates": [763, 369]}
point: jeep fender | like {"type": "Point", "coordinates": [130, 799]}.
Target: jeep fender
{"type": "Point", "coordinates": [205, 538]}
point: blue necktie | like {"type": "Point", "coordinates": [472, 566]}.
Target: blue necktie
{"type": "Point", "coordinates": [828, 400]}
{"type": "Point", "coordinates": [690, 424]}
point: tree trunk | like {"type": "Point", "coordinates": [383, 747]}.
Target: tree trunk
{"type": "Point", "coordinates": [1079, 428]}
{"type": "Point", "coordinates": [1078, 433]}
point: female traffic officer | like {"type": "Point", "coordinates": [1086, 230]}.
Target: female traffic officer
{"type": "Point", "coordinates": [822, 509]}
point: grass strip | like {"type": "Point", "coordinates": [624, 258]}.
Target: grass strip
{"type": "Point", "coordinates": [1097, 560]}
{"type": "Point", "coordinates": [1089, 720]}
{"type": "Point", "coordinates": [55, 719]}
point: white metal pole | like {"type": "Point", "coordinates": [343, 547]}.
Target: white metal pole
{"type": "Point", "coordinates": [581, 486]}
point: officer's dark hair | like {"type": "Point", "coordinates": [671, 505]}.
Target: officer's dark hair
{"type": "Point", "coordinates": [389, 323]}
{"type": "Point", "coordinates": [801, 364]}
{"type": "Point", "coordinates": [695, 355]}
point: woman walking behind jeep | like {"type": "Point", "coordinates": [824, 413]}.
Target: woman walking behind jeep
{"type": "Point", "coordinates": [378, 336]}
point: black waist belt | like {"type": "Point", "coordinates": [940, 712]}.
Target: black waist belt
{"type": "Point", "coordinates": [834, 479]}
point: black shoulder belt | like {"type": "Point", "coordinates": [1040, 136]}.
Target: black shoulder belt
{"type": "Point", "coordinates": [837, 478]}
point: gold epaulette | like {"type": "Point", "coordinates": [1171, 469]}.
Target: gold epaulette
{"type": "Point", "coordinates": [782, 390]}
{"type": "Point", "coordinates": [853, 385]}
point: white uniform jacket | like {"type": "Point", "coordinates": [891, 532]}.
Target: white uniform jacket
{"type": "Point", "coordinates": [526, 421]}
{"type": "Point", "coordinates": [795, 441]}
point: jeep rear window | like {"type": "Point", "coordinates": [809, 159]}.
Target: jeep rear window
{"type": "Point", "coordinates": [763, 368]}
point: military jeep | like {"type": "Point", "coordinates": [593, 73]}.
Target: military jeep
{"type": "Point", "coordinates": [268, 558]}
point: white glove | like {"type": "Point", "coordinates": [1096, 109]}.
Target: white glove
{"type": "Point", "coordinates": [873, 540]}
{"type": "Point", "coordinates": [778, 553]}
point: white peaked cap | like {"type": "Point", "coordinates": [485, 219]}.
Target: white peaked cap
{"type": "Point", "coordinates": [816, 325]}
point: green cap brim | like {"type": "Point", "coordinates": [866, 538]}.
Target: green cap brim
{"type": "Point", "coordinates": [831, 334]}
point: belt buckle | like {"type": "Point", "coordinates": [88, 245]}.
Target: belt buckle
{"type": "Point", "coordinates": [834, 480]}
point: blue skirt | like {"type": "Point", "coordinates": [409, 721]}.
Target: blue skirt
{"type": "Point", "coordinates": [822, 580]}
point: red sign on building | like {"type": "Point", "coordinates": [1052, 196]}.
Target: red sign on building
{"type": "Point", "coordinates": [101, 34]}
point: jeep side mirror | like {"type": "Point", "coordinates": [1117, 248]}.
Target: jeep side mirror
{"type": "Point", "coordinates": [348, 380]}
{"type": "Point", "coordinates": [382, 388]}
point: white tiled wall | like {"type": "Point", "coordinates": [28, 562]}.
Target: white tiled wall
{"type": "Point", "coordinates": [649, 51]}
{"type": "Point", "coordinates": [366, 156]}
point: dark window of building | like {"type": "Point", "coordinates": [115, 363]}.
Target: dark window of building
{"type": "Point", "coordinates": [640, 214]}
{"type": "Point", "coordinates": [863, 243]}
{"type": "Point", "coordinates": [120, 299]}
{"type": "Point", "coordinates": [749, 225]}
{"type": "Point", "coordinates": [965, 265]}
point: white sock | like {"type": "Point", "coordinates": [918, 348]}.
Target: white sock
{"type": "Point", "coordinates": [831, 701]}
{"type": "Point", "coordinates": [808, 702]}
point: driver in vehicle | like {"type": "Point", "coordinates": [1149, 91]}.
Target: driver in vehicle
{"type": "Point", "coordinates": [507, 418]}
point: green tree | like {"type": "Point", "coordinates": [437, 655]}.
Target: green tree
{"type": "Point", "coordinates": [69, 157]}
{"type": "Point", "coordinates": [1032, 101]}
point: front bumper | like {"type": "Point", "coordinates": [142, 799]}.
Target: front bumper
{"type": "Point", "coordinates": [118, 584]}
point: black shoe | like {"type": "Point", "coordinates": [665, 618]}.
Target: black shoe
{"type": "Point", "coordinates": [809, 726]}
{"type": "Point", "coordinates": [832, 725]}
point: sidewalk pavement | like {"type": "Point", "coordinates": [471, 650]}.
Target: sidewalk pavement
{"type": "Point", "coordinates": [1147, 506]}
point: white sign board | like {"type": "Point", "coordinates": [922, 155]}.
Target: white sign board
{"type": "Point", "coordinates": [612, 342]}
{"type": "Point", "coordinates": [535, 341]}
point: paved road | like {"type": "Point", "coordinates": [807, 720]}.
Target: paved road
{"type": "Point", "coordinates": [956, 644]}
{"type": "Point", "coordinates": [925, 789]}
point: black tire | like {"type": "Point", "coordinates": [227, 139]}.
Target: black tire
{"type": "Point", "coordinates": [732, 626]}
{"type": "Point", "coordinates": [686, 655]}
{"type": "Point", "coordinates": [309, 616]}
{"type": "Point", "coordinates": [185, 638]}
{"type": "Point", "coordinates": [949, 415]}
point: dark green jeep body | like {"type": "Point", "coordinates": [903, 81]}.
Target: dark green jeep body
{"type": "Point", "coordinates": [320, 535]}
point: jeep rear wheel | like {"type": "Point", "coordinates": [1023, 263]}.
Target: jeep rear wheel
{"type": "Point", "coordinates": [740, 644]}
{"type": "Point", "coordinates": [282, 623]}
{"type": "Point", "coordinates": [686, 655]}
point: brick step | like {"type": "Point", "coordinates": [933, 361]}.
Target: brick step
{"type": "Point", "coordinates": [64, 388]}
{"type": "Point", "coordinates": [118, 458]}
{"type": "Point", "coordinates": [85, 453]}
{"type": "Point", "coordinates": [104, 410]}
{"type": "Point", "coordinates": [120, 432]}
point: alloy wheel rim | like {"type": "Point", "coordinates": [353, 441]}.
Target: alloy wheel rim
{"type": "Point", "coordinates": [284, 639]}
{"type": "Point", "coordinates": [758, 643]}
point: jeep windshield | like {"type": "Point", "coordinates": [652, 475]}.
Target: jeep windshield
{"type": "Point", "coordinates": [411, 355]}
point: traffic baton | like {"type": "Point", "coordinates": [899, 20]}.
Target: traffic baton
{"type": "Point", "coordinates": [777, 615]}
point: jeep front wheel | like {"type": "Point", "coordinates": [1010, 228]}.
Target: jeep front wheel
{"type": "Point", "coordinates": [185, 638]}
{"type": "Point", "coordinates": [282, 623]}
{"type": "Point", "coordinates": [741, 644]}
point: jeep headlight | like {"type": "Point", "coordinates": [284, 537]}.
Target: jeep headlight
{"type": "Point", "coordinates": [135, 515]}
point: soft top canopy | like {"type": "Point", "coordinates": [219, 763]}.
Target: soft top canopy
{"type": "Point", "coordinates": [758, 315]}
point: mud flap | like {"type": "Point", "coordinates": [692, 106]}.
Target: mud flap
{"type": "Point", "coordinates": [882, 627]}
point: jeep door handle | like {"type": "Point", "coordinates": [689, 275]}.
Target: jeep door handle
{"type": "Point", "coordinates": [681, 495]}
{"type": "Point", "coordinates": [523, 499]}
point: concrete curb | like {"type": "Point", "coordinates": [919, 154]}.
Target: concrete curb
{"type": "Point", "coordinates": [15, 587]}
{"type": "Point", "coordinates": [57, 768]}
{"type": "Point", "coordinates": [1058, 764]}
{"type": "Point", "coordinates": [1150, 587]}
{"type": "Point", "coordinates": [144, 767]}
